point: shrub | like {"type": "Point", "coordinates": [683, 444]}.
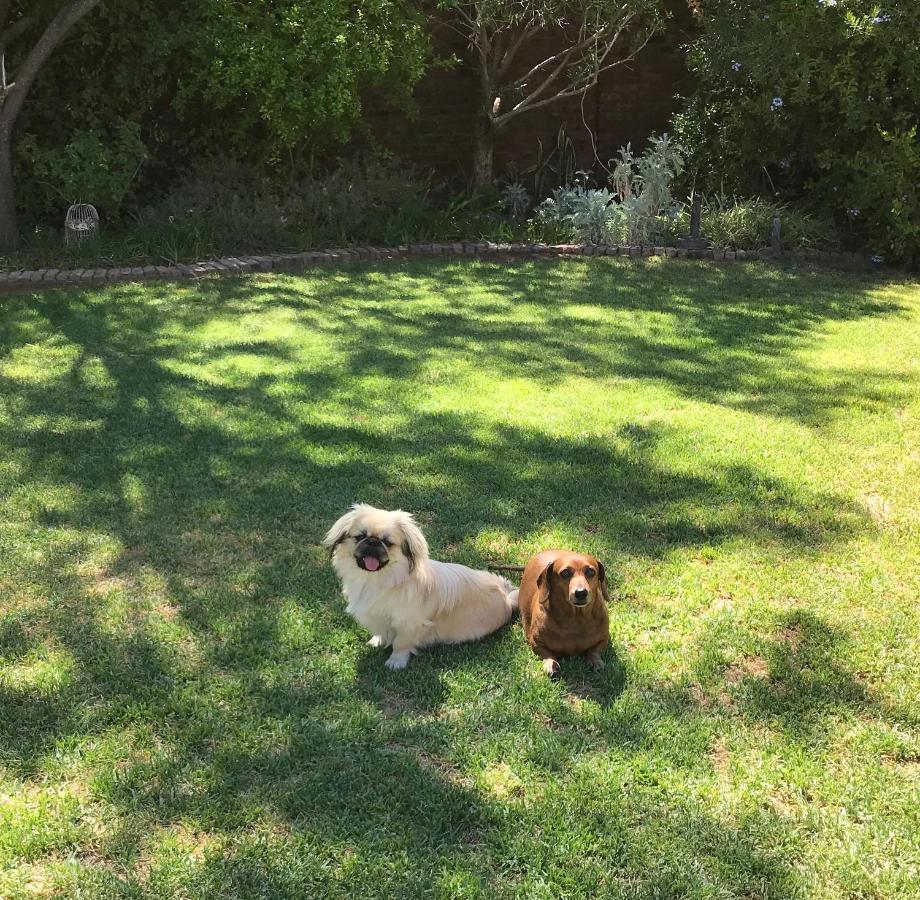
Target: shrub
{"type": "Point", "coordinates": [240, 209]}
{"type": "Point", "coordinates": [639, 209]}
{"type": "Point", "coordinates": [93, 167]}
{"type": "Point", "coordinates": [223, 206]}
{"type": "Point", "coordinates": [515, 199]}
{"type": "Point", "coordinates": [277, 83]}
{"type": "Point", "coordinates": [746, 224]}
{"type": "Point", "coordinates": [815, 100]}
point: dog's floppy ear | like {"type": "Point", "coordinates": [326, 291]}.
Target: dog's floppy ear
{"type": "Point", "coordinates": [414, 545]}
{"type": "Point", "coordinates": [545, 584]}
{"type": "Point", "coordinates": [339, 530]}
{"type": "Point", "coordinates": [602, 581]}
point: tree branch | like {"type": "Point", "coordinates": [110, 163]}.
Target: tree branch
{"type": "Point", "coordinates": [530, 102]}
{"type": "Point", "coordinates": [484, 45]}
{"type": "Point", "coordinates": [528, 32]}
{"type": "Point", "coordinates": [563, 63]}
{"type": "Point", "coordinates": [467, 18]}
{"type": "Point", "coordinates": [57, 29]}
{"type": "Point", "coordinates": [579, 44]}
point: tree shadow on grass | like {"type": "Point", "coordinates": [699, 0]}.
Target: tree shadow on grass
{"type": "Point", "coordinates": [219, 491]}
{"type": "Point", "coordinates": [354, 815]}
{"type": "Point", "coordinates": [233, 484]}
{"type": "Point", "coordinates": [724, 335]}
{"type": "Point", "coordinates": [794, 677]}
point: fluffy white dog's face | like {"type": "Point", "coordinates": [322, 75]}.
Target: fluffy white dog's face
{"type": "Point", "coordinates": [378, 543]}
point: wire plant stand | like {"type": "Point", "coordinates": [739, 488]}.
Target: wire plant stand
{"type": "Point", "coordinates": [81, 224]}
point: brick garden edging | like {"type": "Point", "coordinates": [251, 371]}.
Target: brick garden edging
{"type": "Point", "coordinates": [44, 279]}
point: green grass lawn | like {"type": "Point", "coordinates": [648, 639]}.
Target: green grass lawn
{"type": "Point", "coordinates": [186, 710]}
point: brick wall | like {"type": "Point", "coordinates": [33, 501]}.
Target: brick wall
{"type": "Point", "coordinates": [631, 102]}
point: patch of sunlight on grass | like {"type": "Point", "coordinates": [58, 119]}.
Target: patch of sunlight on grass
{"type": "Point", "coordinates": [46, 670]}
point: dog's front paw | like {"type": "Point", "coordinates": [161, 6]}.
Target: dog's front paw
{"type": "Point", "coordinates": [594, 661]}
{"type": "Point", "coordinates": [376, 641]}
{"type": "Point", "coordinates": [398, 660]}
{"type": "Point", "coordinates": [551, 668]}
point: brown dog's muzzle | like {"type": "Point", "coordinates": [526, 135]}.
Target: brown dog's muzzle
{"type": "Point", "coordinates": [579, 593]}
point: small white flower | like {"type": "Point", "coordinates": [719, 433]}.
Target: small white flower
{"type": "Point", "coordinates": [777, 102]}
{"type": "Point", "coordinates": [853, 212]}
{"type": "Point", "coordinates": [736, 66]}
{"type": "Point", "coordinates": [877, 259]}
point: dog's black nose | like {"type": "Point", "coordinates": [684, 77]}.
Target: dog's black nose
{"type": "Point", "coordinates": [580, 594]}
{"type": "Point", "coordinates": [372, 541]}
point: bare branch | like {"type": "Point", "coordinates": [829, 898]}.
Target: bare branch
{"type": "Point", "coordinates": [498, 30]}
{"type": "Point", "coordinates": [554, 74]}
{"type": "Point", "coordinates": [497, 52]}
{"type": "Point", "coordinates": [510, 54]}
{"type": "Point", "coordinates": [581, 43]}
{"type": "Point", "coordinates": [548, 61]}
{"type": "Point", "coordinates": [463, 14]}
{"type": "Point", "coordinates": [531, 102]}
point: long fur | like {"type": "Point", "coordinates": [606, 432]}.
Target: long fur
{"type": "Point", "coordinates": [414, 601]}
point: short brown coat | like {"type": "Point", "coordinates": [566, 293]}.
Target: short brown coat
{"type": "Point", "coordinates": [553, 626]}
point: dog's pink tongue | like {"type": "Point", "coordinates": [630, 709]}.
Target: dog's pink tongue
{"type": "Point", "coordinates": [371, 563]}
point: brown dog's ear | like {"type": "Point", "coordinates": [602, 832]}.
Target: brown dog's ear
{"type": "Point", "coordinates": [545, 585]}
{"type": "Point", "coordinates": [602, 581]}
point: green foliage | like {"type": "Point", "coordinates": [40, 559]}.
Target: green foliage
{"type": "Point", "coordinates": [515, 199]}
{"type": "Point", "coordinates": [243, 211]}
{"type": "Point", "coordinates": [639, 208]}
{"type": "Point", "coordinates": [746, 224]}
{"type": "Point", "coordinates": [591, 215]}
{"type": "Point", "coordinates": [275, 84]}
{"type": "Point", "coordinates": [554, 168]}
{"type": "Point", "coordinates": [300, 66]}
{"type": "Point", "coordinates": [223, 206]}
{"type": "Point", "coordinates": [812, 99]}
{"type": "Point", "coordinates": [656, 169]}
{"type": "Point", "coordinates": [92, 167]}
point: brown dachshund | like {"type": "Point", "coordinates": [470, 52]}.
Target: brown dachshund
{"type": "Point", "coordinates": [563, 601]}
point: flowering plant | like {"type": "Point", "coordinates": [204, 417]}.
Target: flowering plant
{"type": "Point", "coordinates": [818, 101]}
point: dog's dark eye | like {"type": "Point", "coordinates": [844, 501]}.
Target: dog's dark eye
{"type": "Point", "coordinates": [565, 573]}
{"type": "Point", "coordinates": [589, 572]}
{"type": "Point", "coordinates": [387, 542]}
{"type": "Point", "coordinates": [361, 535]}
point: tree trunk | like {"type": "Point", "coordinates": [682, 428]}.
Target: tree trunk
{"type": "Point", "coordinates": [13, 99]}
{"type": "Point", "coordinates": [483, 154]}
{"type": "Point", "coordinates": [9, 232]}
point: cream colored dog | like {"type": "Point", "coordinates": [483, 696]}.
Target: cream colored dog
{"type": "Point", "coordinates": [400, 595]}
